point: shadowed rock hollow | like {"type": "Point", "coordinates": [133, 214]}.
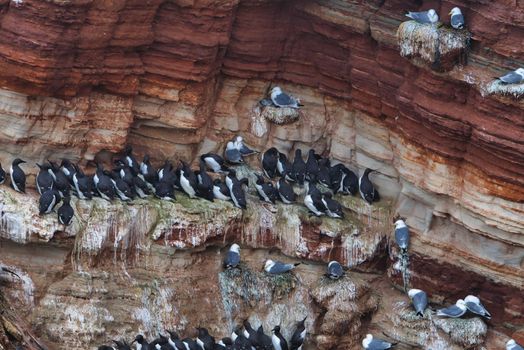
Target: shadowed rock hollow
{"type": "Point", "coordinates": [81, 79]}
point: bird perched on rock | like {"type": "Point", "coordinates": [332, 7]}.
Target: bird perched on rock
{"type": "Point", "coordinates": [44, 180]}
{"type": "Point", "coordinates": [204, 183]}
{"type": "Point", "coordinates": [130, 160]}
{"type": "Point", "coordinates": [242, 148]}
{"type": "Point", "coordinates": [285, 191]}
{"type": "Point", "coordinates": [148, 172]}
{"type": "Point", "coordinates": [298, 169]}
{"type": "Point", "coordinates": [103, 183]}
{"type": "Point", "coordinates": [283, 165]}
{"type": "Point", "coordinates": [220, 190]}
{"type": "Point", "coordinates": [2, 174]}
{"type": "Point", "coordinates": [402, 235]}
{"type": "Point", "coordinates": [206, 341]}
{"type": "Point", "coordinates": [266, 191]}
{"type": "Point", "coordinates": [333, 208]}
{"type": "Point", "coordinates": [83, 185]}
{"type": "Point", "coordinates": [279, 342]}
{"type": "Point", "coordinates": [281, 99]}
{"type": "Point", "coordinates": [17, 176]}
{"type": "Point", "coordinates": [215, 162]}
{"type": "Point", "coordinates": [515, 77]}
{"type": "Point", "coordinates": [474, 305]}
{"type": "Point", "coordinates": [270, 162]}
{"type": "Point", "coordinates": [366, 188]}
{"type": "Point", "coordinates": [66, 212]}
{"type": "Point", "coordinates": [277, 267]}
{"type": "Point", "coordinates": [175, 341]}
{"type": "Point", "coordinates": [334, 270]}
{"type": "Point", "coordinates": [188, 180]}
{"type": "Point", "coordinates": [370, 343]}
{"type": "Point", "coordinates": [424, 17]}
{"type": "Point", "coordinates": [512, 345]}
{"type": "Point", "coordinates": [141, 343]}
{"type": "Point", "coordinates": [454, 311]}
{"type": "Point", "coordinates": [264, 341]}
{"type": "Point", "coordinates": [419, 299]}
{"type": "Point", "coordinates": [457, 19]}
{"type": "Point", "coordinates": [238, 196]}
{"type": "Point", "coordinates": [233, 257]}
{"type": "Point", "coordinates": [312, 168]}
{"type": "Point", "coordinates": [299, 335]}
{"type": "Point", "coordinates": [61, 181]}
{"type": "Point", "coordinates": [313, 200]}
{"type": "Point", "coordinates": [232, 154]}
{"type": "Point", "coordinates": [48, 201]}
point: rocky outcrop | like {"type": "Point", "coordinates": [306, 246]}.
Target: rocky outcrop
{"type": "Point", "coordinates": [174, 79]}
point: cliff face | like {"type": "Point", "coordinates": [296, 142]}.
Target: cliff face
{"type": "Point", "coordinates": [175, 79]}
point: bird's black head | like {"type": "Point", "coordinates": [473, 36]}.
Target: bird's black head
{"type": "Point", "coordinates": [217, 182]}
{"type": "Point", "coordinates": [227, 341]}
{"type": "Point", "coordinates": [276, 329]}
{"type": "Point", "coordinates": [246, 324]}
{"type": "Point", "coordinates": [232, 173]}
{"type": "Point", "coordinates": [146, 158]}
{"type": "Point", "coordinates": [368, 171]}
{"type": "Point", "coordinates": [65, 162]}
{"type": "Point", "coordinates": [298, 152]}
{"type": "Point", "coordinates": [52, 165]}
{"type": "Point", "coordinates": [128, 150]}
{"type": "Point", "coordinates": [139, 339]}
{"type": "Point", "coordinates": [272, 151]}
{"type": "Point", "coordinates": [18, 161]}
{"type": "Point", "coordinates": [172, 334]}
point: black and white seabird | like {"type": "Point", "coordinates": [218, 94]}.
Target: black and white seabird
{"type": "Point", "coordinates": [205, 183]}
{"type": "Point", "coordinates": [188, 180]}
{"type": "Point", "coordinates": [281, 99]}
{"type": "Point", "coordinates": [141, 187]}
{"type": "Point", "coordinates": [264, 341]}
{"type": "Point", "coordinates": [474, 305]}
{"type": "Point", "coordinates": [232, 154]}
{"type": "Point", "coordinates": [350, 182]}
{"type": "Point", "coordinates": [371, 343]}
{"type": "Point", "coordinates": [191, 344]}
{"type": "Point", "coordinates": [215, 162]}
{"type": "Point", "coordinates": [313, 200]}
{"type": "Point", "coordinates": [367, 191]}
{"type": "Point", "coordinates": [83, 185]}
{"type": "Point", "coordinates": [242, 148]}
{"type": "Point", "coordinates": [333, 208]}
{"type": "Point", "coordinates": [419, 299]}
{"type": "Point", "coordinates": [226, 343]}
{"type": "Point", "coordinates": [66, 212]}
{"type": "Point", "coordinates": [424, 17]}
{"type": "Point", "coordinates": [103, 183]}
{"type": "Point", "coordinates": [512, 345]}
{"type": "Point", "coordinates": [457, 19]}
{"type": "Point", "coordinates": [238, 196]}
{"type": "Point", "coordinates": [283, 165]}
{"type": "Point", "coordinates": [402, 235]}
{"type": "Point", "coordinates": [2, 174]}
{"type": "Point", "coordinates": [68, 169]}
{"type": "Point", "coordinates": [164, 170]}
{"type": "Point", "coordinates": [130, 160]}
{"type": "Point", "coordinates": [299, 335]}
{"type": "Point", "coordinates": [175, 341]}
{"type": "Point", "coordinates": [454, 311]}
{"type": "Point", "coordinates": [164, 190]}
{"type": "Point", "coordinates": [514, 77]}
{"type": "Point", "coordinates": [312, 168]}
{"type": "Point", "coordinates": [266, 191]}
{"type": "Point", "coordinates": [334, 270]}
{"type": "Point", "coordinates": [250, 333]}
{"type": "Point", "coordinates": [298, 169]}
{"type": "Point", "coordinates": [47, 201]}
{"type": "Point", "coordinates": [61, 181]}
{"type": "Point", "coordinates": [159, 343]}
{"type": "Point", "coordinates": [17, 176]}
{"type": "Point", "coordinates": [240, 341]}
{"type": "Point", "coordinates": [277, 267]}
{"type": "Point", "coordinates": [148, 172]}
{"type": "Point", "coordinates": [279, 342]}
{"type": "Point", "coordinates": [220, 190]}
{"type": "Point", "coordinates": [44, 180]}
{"type": "Point", "coordinates": [206, 341]}
{"type": "Point", "coordinates": [285, 191]}
{"type": "Point", "coordinates": [122, 189]}
{"type": "Point", "coordinates": [323, 173]}
{"type": "Point", "coordinates": [141, 343]}
{"type": "Point", "coordinates": [270, 162]}
{"type": "Point", "coordinates": [232, 259]}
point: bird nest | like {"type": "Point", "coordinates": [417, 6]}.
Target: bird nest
{"type": "Point", "coordinates": [442, 47]}
{"type": "Point", "coordinates": [279, 115]}
{"type": "Point", "coordinates": [500, 88]}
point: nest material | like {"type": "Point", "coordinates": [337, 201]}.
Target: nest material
{"type": "Point", "coordinates": [500, 88]}
{"type": "Point", "coordinates": [442, 47]}
{"type": "Point", "coordinates": [280, 115]}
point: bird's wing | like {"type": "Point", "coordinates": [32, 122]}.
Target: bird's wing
{"type": "Point", "coordinates": [233, 155]}
{"type": "Point", "coordinates": [402, 237]}
{"type": "Point", "coordinates": [378, 344]}
{"type": "Point", "coordinates": [475, 308]}
{"type": "Point", "coordinates": [284, 99]}
{"type": "Point", "coordinates": [232, 258]}
{"type": "Point", "coordinates": [451, 311]}
{"type": "Point", "coordinates": [511, 78]}
{"type": "Point", "coordinates": [281, 268]}
{"type": "Point", "coordinates": [336, 269]}
{"type": "Point", "coordinates": [420, 301]}
{"type": "Point", "coordinates": [421, 17]}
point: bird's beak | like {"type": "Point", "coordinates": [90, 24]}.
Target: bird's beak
{"type": "Point", "coordinates": [449, 13]}
{"type": "Point", "coordinates": [133, 342]}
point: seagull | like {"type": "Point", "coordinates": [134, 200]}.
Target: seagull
{"type": "Point", "coordinates": [233, 257]}
{"type": "Point", "coordinates": [277, 267]}
{"type": "Point", "coordinates": [474, 305]}
{"type": "Point", "coordinates": [515, 77]}
{"type": "Point", "coordinates": [424, 16]}
{"type": "Point", "coordinates": [402, 235]}
{"type": "Point", "coordinates": [232, 154]}
{"type": "Point", "coordinates": [243, 149]}
{"type": "Point", "coordinates": [419, 299]}
{"type": "Point", "coordinates": [370, 343]}
{"type": "Point", "coordinates": [281, 99]}
{"type": "Point", "coordinates": [335, 270]}
{"type": "Point", "coordinates": [457, 19]}
{"type": "Point", "coordinates": [512, 345]}
{"type": "Point", "coordinates": [454, 311]}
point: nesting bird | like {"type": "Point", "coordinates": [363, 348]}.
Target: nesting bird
{"type": "Point", "coordinates": [457, 19]}
{"type": "Point", "coordinates": [402, 235]}
{"type": "Point", "coordinates": [512, 345]}
{"type": "Point", "coordinates": [334, 270]}
{"type": "Point", "coordinates": [371, 343]}
{"type": "Point", "coordinates": [277, 267]}
{"type": "Point", "coordinates": [17, 176]}
{"type": "Point", "coordinates": [419, 299]}
{"type": "Point", "coordinates": [366, 188]}
{"type": "Point", "coordinates": [474, 305]}
{"type": "Point", "coordinates": [454, 311]}
{"type": "Point", "coordinates": [424, 17]}
{"type": "Point", "coordinates": [214, 162]}
{"type": "Point", "coordinates": [281, 99]}
{"type": "Point", "coordinates": [514, 77]}
{"type": "Point", "coordinates": [233, 257]}
{"type": "Point", "coordinates": [66, 212]}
